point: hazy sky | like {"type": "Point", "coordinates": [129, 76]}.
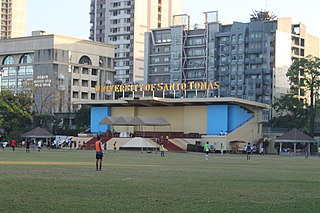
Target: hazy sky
{"type": "Point", "coordinates": [71, 17]}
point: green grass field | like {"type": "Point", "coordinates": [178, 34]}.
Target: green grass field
{"type": "Point", "coordinates": [66, 181]}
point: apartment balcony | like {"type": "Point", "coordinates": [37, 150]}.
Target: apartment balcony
{"type": "Point", "coordinates": [255, 61]}
{"type": "Point", "coordinates": [253, 71]}
{"type": "Point", "coordinates": [254, 50]}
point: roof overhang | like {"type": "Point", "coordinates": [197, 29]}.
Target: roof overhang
{"type": "Point", "coordinates": [294, 141]}
{"type": "Point", "coordinates": [154, 101]}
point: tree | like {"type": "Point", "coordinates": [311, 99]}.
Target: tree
{"type": "Point", "coordinates": [304, 76]}
{"type": "Point", "coordinates": [45, 99]}
{"type": "Point", "coordinates": [82, 117]}
{"type": "Point", "coordinates": [292, 113]}
{"type": "Point", "coordinates": [15, 112]}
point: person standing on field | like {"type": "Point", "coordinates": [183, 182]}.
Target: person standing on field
{"type": "Point", "coordinates": [39, 145]}
{"type": "Point", "coordinates": [13, 144]}
{"type": "Point", "coordinates": [206, 149]}
{"type": "Point", "coordinates": [248, 151]}
{"type": "Point", "coordinates": [4, 144]}
{"type": "Point", "coordinates": [161, 150]}
{"type": "Point", "coordinates": [99, 154]}
{"type": "Point", "coordinates": [221, 149]}
{"type": "Point", "coordinates": [28, 146]}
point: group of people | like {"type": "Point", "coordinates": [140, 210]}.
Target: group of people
{"type": "Point", "coordinates": [223, 133]}
{"type": "Point", "coordinates": [249, 150]}
{"type": "Point", "coordinates": [207, 149]}
{"type": "Point", "coordinates": [4, 144]}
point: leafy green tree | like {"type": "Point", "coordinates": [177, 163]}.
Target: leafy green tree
{"type": "Point", "coordinates": [292, 113]}
{"type": "Point", "coordinates": [304, 75]}
{"type": "Point", "coordinates": [15, 112]}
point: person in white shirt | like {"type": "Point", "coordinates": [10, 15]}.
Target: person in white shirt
{"type": "Point", "coordinates": [39, 145]}
{"type": "Point", "coordinates": [4, 144]}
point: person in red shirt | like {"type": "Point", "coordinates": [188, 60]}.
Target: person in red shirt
{"type": "Point", "coordinates": [99, 154]}
{"type": "Point", "coordinates": [13, 144]}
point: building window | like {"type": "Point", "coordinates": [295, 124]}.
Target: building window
{"type": "Point", "coordinates": [166, 59]}
{"type": "Point", "coordinates": [9, 71]}
{"type": "Point", "coordinates": [233, 38]}
{"type": "Point", "coordinates": [85, 83]}
{"type": "Point", "coordinates": [85, 60]}
{"type": "Point", "coordinates": [75, 94]}
{"type": "Point", "coordinates": [8, 60]}
{"type": "Point", "coordinates": [85, 71]}
{"type": "Point", "coordinates": [84, 95]}
{"type": "Point", "coordinates": [93, 96]}
{"type": "Point", "coordinates": [75, 82]}
{"type": "Point", "coordinates": [94, 72]}
{"type": "Point", "coordinates": [162, 37]}
{"type": "Point", "coordinates": [114, 21]}
{"type": "Point", "coordinates": [25, 70]}
{"type": "Point", "coordinates": [156, 60]}
{"type": "Point", "coordinates": [240, 37]}
{"type": "Point", "coordinates": [127, 20]}
{"type": "Point", "coordinates": [224, 39]}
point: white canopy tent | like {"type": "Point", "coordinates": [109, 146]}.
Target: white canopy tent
{"type": "Point", "coordinates": [140, 143]}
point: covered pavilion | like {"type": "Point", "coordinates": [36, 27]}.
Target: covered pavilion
{"type": "Point", "coordinates": [294, 137]}
{"type": "Point", "coordinates": [38, 133]}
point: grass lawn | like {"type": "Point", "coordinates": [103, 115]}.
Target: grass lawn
{"type": "Point", "coordinates": [66, 181]}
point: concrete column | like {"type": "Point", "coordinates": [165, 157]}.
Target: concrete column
{"type": "Point", "coordinates": [294, 148]}
{"type": "Point", "coordinates": [280, 147]}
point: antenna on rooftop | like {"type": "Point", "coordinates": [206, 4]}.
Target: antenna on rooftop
{"type": "Point", "coordinates": [267, 5]}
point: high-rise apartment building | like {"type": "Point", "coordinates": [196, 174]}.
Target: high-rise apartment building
{"type": "Point", "coordinates": [250, 60]}
{"type": "Point", "coordinates": [123, 23]}
{"type": "Point", "coordinates": [12, 18]}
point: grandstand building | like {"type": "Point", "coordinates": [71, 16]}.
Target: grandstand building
{"type": "Point", "coordinates": [182, 121]}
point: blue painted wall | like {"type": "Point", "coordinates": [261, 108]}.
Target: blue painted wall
{"type": "Point", "coordinates": [97, 114]}
{"type": "Point", "coordinates": [226, 118]}
{"type": "Point", "coordinates": [237, 117]}
{"type": "Point", "coordinates": [217, 119]}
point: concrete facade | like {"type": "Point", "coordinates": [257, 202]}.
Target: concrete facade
{"type": "Point", "coordinates": [12, 18]}
{"type": "Point", "coordinates": [55, 69]}
{"type": "Point", "coordinates": [250, 60]}
{"type": "Point", "coordinates": [123, 23]}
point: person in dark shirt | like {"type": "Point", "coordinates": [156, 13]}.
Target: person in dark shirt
{"type": "Point", "coordinates": [248, 151]}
